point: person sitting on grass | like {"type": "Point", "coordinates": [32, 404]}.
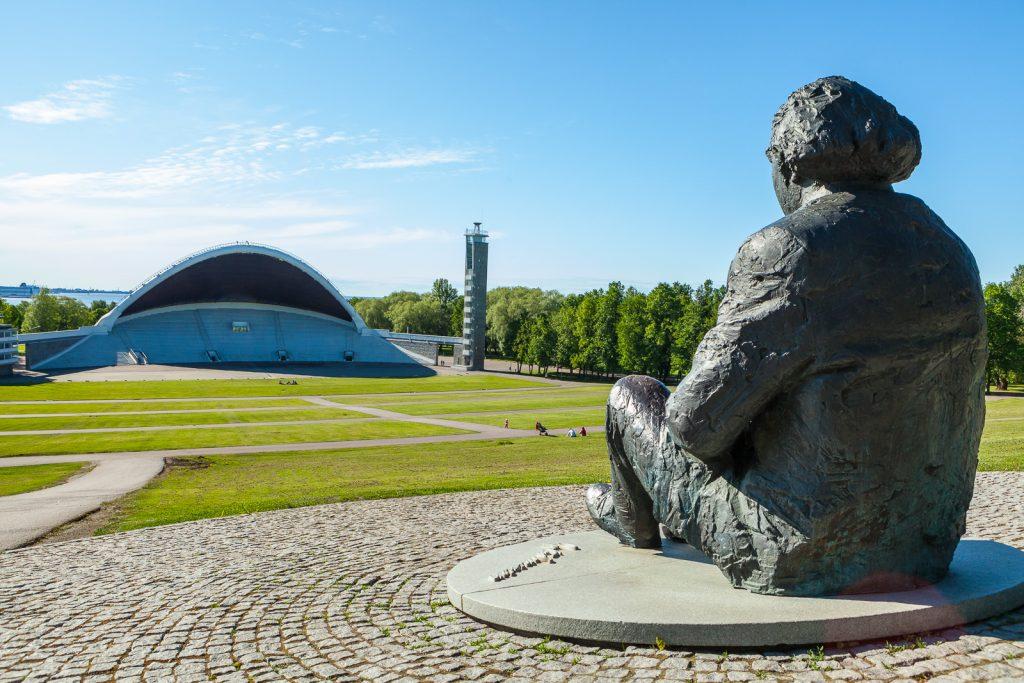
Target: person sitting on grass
{"type": "Point", "coordinates": [571, 433]}
{"type": "Point", "coordinates": [583, 431]}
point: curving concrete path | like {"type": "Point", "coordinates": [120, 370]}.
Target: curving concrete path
{"type": "Point", "coordinates": [28, 516]}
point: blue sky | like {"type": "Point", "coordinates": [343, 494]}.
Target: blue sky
{"type": "Point", "coordinates": [597, 141]}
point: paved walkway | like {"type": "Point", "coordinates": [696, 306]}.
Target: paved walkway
{"type": "Point", "coordinates": [356, 591]}
{"type": "Point", "coordinates": [28, 516]}
{"type": "Point", "coordinates": [495, 432]}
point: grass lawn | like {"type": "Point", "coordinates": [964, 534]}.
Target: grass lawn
{"type": "Point", "coordinates": [160, 419]}
{"type": "Point", "coordinates": [229, 485]}
{"type": "Point", "coordinates": [111, 442]}
{"type": "Point", "coordinates": [1002, 442]}
{"type": "Point", "coordinates": [27, 478]}
{"type": "Point", "coordinates": [1012, 389]}
{"type": "Point", "coordinates": [123, 406]}
{"type": "Point", "coordinates": [213, 388]}
{"type": "Point", "coordinates": [584, 397]}
{"type": "Point", "coordinates": [552, 419]}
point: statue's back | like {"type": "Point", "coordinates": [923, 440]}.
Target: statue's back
{"type": "Point", "coordinates": [879, 438]}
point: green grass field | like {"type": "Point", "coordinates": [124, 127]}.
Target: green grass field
{"type": "Point", "coordinates": [216, 388]}
{"type": "Point", "coordinates": [25, 478]}
{"type": "Point", "coordinates": [1002, 442]}
{"type": "Point", "coordinates": [229, 485]}
{"type": "Point", "coordinates": [552, 419]}
{"type": "Point", "coordinates": [170, 419]}
{"type": "Point", "coordinates": [7, 408]}
{"type": "Point", "coordinates": [585, 397]}
{"type": "Point", "coordinates": [224, 485]}
{"type": "Point", "coordinates": [251, 435]}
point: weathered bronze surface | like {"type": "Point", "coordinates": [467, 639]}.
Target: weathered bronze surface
{"type": "Point", "coordinates": [826, 439]}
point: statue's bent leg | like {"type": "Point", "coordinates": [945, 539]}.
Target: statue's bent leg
{"type": "Point", "coordinates": [636, 416]}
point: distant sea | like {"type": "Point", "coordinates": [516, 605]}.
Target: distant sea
{"type": "Point", "coordinates": [85, 297]}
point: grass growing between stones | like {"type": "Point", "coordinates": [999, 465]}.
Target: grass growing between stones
{"type": "Point", "coordinates": [25, 478]}
{"type": "Point", "coordinates": [229, 485]}
{"type": "Point", "coordinates": [214, 388]}
{"type": "Point", "coordinates": [251, 435]}
{"type": "Point", "coordinates": [310, 412]}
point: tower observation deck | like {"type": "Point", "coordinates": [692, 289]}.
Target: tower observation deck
{"type": "Point", "coordinates": [474, 312]}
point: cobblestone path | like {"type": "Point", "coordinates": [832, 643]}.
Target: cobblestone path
{"type": "Point", "coordinates": [355, 591]}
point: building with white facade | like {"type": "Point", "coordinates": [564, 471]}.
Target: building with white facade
{"type": "Point", "coordinates": [238, 303]}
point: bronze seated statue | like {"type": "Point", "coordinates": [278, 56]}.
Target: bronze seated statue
{"type": "Point", "coordinates": [826, 439]}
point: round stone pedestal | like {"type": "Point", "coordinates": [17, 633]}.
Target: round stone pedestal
{"type": "Point", "coordinates": [608, 593]}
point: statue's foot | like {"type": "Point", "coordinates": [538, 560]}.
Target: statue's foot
{"type": "Point", "coordinates": [601, 506]}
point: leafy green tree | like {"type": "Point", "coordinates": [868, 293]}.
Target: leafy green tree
{"type": "Point", "coordinates": [509, 307]}
{"type": "Point", "coordinates": [1005, 334]}
{"type": "Point", "coordinates": [47, 313]}
{"type": "Point", "coordinates": [1016, 285]}
{"type": "Point", "coordinates": [445, 294]}
{"type": "Point", "coordinates": [374, 313]}
{"type": "Point", "coordinates": [455, 317]}
{"type": "Point", "coordinates": [420, 317]}
{"type": "Point", "coordinates": [634, 350]}
{"type": "Point", "coordinates": [521, 346]}
{"type": "Point", "coordinates": [585, 329]}
{"type": "Point", "coordinates": [698, 317]}
{"type": "Point", "coordinates": [607, 320]}
{"type": "Point", "coordinates": [100, 308]}
{"type": "Point", "coordinates": [10, 315]}
{"type": "Point", "coordinates": [665, 306]}
{"type": "Point", "coordinates": [567, 342]}
{"type": "Point", "coordinates": [542, 343]}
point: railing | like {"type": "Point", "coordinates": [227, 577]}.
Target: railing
{"type": "Point", "coordinates": [409, 336]}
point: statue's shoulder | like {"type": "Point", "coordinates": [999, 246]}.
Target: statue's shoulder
{"type": "Point", "coordinates": [778, 246]}
{"type": "Point", "coordinates": [932, 229]}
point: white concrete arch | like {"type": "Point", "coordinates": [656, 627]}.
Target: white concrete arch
{"type": "Point", "coordinates": [107, 322]}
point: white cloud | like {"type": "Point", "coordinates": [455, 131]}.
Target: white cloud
{"type": "Point", "coordinates": [75, 101]}
{"type": "Point", "coordinates": [409, 159]}
{"type": "Point", "coordinates": [109, 227]}
{"type": "Point", "coordinates": [236, 155]}
{"type": "Point", "coordinates": [189, 82]}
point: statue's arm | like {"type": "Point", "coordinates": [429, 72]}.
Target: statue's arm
{"type": "Point", "coordinates": [757, 347]}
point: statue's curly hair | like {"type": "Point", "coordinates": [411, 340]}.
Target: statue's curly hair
{"type": "Point", "coordinates": [835, 129]}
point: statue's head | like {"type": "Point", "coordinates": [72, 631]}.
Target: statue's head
{"type": "Point", "coordinates": [836, 131]}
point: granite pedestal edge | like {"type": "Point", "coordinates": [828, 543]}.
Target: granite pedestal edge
{"type": "Point", "coordinates": [608, 593]}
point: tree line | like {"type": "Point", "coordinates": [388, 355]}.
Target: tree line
{"type": "Point", "coordinates": [618, 330]}
{"type": "Point", "coordinates": [47, 312]}
{"type": "Point", "coordinates": [601, 332]}
{"type": "Point", "coordinates": [605, 331]}
{"type": "Point", "coordinates": [1004, 312]}
{"type": "Point", "coordinates": [439, 311]}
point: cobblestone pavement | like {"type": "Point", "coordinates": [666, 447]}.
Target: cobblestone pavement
{"type": "Point", "coordinates": [356, 591]}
